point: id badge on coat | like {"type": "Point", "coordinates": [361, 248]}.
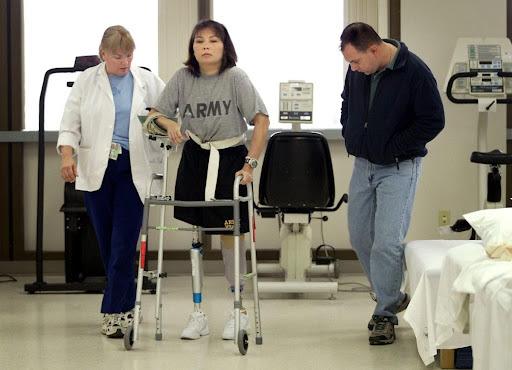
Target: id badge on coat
{"type": "Point", "coordinates": [115, 150]}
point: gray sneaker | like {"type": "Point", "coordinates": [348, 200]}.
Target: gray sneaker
{"type": "Point", "coordinates": [383, 332]}
{"type": "Point", "coordinates": [401, 307]}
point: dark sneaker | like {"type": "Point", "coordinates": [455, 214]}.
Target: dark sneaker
{"type": "Point", "coordinates": [383, 332]}
{"type": "Point", "coordinates": [401, 307]}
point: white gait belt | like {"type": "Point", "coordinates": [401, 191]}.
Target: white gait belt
{"type": "Point", "coordinates": [213, 163]}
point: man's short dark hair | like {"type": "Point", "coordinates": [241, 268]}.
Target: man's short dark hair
{"type": "Point", "coordinates": [229, 57]}
{"type": "Point", "coordinates": [360, 35]}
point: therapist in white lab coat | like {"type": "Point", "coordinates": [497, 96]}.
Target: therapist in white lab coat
{"type": "Point", "coordinates": [100, 129]}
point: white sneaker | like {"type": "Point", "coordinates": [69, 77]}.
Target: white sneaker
{"type": "Point", "coordinates": [118, 324]}
{"type": "Point", "coordinates": [229, 328]}
{"type": "Point", "coordinates": [107, 318]}
{"type": "Point", "coordinates": [197, 326]}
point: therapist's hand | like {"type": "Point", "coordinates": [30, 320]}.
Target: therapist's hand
{"type": "Point", "coordinates": [68, 165]}
{"type": "Point", "coordinates": [68, 169]}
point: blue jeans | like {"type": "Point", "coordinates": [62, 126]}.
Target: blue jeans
{"type": "Point", "coordinates": [379, 212]}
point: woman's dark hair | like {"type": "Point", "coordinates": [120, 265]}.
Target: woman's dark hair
{"type": "Point", "coordinates": [360, 35]}
{"type": "Point", "coordinates": [229, 57]}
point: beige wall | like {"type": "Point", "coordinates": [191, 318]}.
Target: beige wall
{"type": "Point", "coordinates": [176, 20]}
{"type": "Point", "coordinates": [430, 29]}
{"type": "Point", "coordinates": [449, 180]}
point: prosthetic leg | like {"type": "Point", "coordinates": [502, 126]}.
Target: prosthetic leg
{"type": "Point", "coordinates": [196, 259]}
{"type": "Point", "coordinates": [197, 325]}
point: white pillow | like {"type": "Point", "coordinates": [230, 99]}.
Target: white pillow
{"type": "Point", "coordinates": [494, 226]}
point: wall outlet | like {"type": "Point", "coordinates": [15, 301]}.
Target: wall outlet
{"type": "Point", "coordinates": [443, 218]}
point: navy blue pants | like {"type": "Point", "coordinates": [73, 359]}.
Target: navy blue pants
{"type": "Point", "coordinates": [115, 211]}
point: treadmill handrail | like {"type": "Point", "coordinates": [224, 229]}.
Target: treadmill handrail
{"type": "Point", "coordinates": [506, 100]}
{"type": "Point", "coordinates": [40, 169]}
{"type": "Point", "coordinates": [456, 76]}
{"type": "Point", "coordinates": [452, 79]}
{"type": "Point", "coordinates": [40, 164]}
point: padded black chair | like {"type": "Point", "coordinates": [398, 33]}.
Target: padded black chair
{"type": "Point", "coordinates": [297, 175]}
{"type": "Point", "coordinates": [296, 180]}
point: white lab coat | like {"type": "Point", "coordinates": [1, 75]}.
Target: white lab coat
{"type": "Point", "coordinates": [88, 125]}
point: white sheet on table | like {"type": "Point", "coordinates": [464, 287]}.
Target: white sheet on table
{"type": "Point", "coordinates": [424, 259]}
{"type": "Point", "coordinates": [491, 283]}
{"type": "Point", "coordinates": [475, 277]}
{"type": "Point", "coordinates": [491, 327]}
{"type": "Point", "coordinates": [427, 255]}
{"type": "Point", "coordinates": [503, 292]}
{"type": "Point", "coordinates": [452, 309]}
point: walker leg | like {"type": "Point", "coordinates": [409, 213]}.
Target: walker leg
{"type": "Point", "coordinates": [240, 337]}
{"type": "Point", "coordinates": [158, 309]}
{"type": "Point", "coordinates": [252, 230]}
{"type": "Point", "coordinates": [238, 300]}
{"type": "Point", "coordinates": [160, 275]}
{"type": "Point", "coordinates": [131, 335]}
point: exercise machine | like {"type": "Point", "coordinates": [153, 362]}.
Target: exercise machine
{"type": "Point", "coordinates": [481, 74]}
{"type": "Point", "coordinates": [76, 220]}
{"type": "Point", "coordinates": [296, 181]}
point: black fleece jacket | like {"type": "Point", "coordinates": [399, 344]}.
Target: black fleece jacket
{"type": "Point", "coordinates": [406, 112]}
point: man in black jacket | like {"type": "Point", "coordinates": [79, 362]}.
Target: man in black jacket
{"type": "Point", "coordinates": [391, 109]}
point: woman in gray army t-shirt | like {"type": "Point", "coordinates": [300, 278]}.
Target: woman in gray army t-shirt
{"type": "Point", "coordinates": [214, 100]}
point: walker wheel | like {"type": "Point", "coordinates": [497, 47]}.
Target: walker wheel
{"type": "Point", "coordinates": [243, 341]}
{"type": "Point", "coordinates": [128, 338]}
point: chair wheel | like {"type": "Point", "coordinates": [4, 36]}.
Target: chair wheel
{"type": "Point", "coordinates": [128, 338]}
{"type": "Point", "coordinates": [243, 341]}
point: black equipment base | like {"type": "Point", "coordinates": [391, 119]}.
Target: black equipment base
{"type": "Point", "coordinates": [89, 285]}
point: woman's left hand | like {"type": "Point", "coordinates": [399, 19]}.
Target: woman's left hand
{"type": "Point", "coordinates": [246, 175]}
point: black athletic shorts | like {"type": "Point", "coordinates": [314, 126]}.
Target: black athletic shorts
{"type": "Point", "coordinates": [191, 183]}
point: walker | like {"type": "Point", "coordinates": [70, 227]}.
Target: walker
{"type": "Point", "coordinates": [241, 338]}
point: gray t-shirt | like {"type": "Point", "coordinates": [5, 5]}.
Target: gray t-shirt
{"type": "Point", "coordinates": [212, 107]}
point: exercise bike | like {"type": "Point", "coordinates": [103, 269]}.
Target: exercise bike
{"type": "Point", "coordinates": [481, 74]}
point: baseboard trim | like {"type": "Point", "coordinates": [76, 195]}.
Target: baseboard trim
{"type": "Point", "coordinates": [172, 265]}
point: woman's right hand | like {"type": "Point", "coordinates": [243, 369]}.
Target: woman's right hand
{"type": "Point", "coordinates": [173, 131]}
{"type": "Point", "coordinates": [172, 127]}
{"type": "Point", "coordinates": [67, 165]}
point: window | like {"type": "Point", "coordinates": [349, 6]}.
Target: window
{"type": "Point", "coordinates": [56, 31]}
{"type": "Point", "coordinates": [278, 41]}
